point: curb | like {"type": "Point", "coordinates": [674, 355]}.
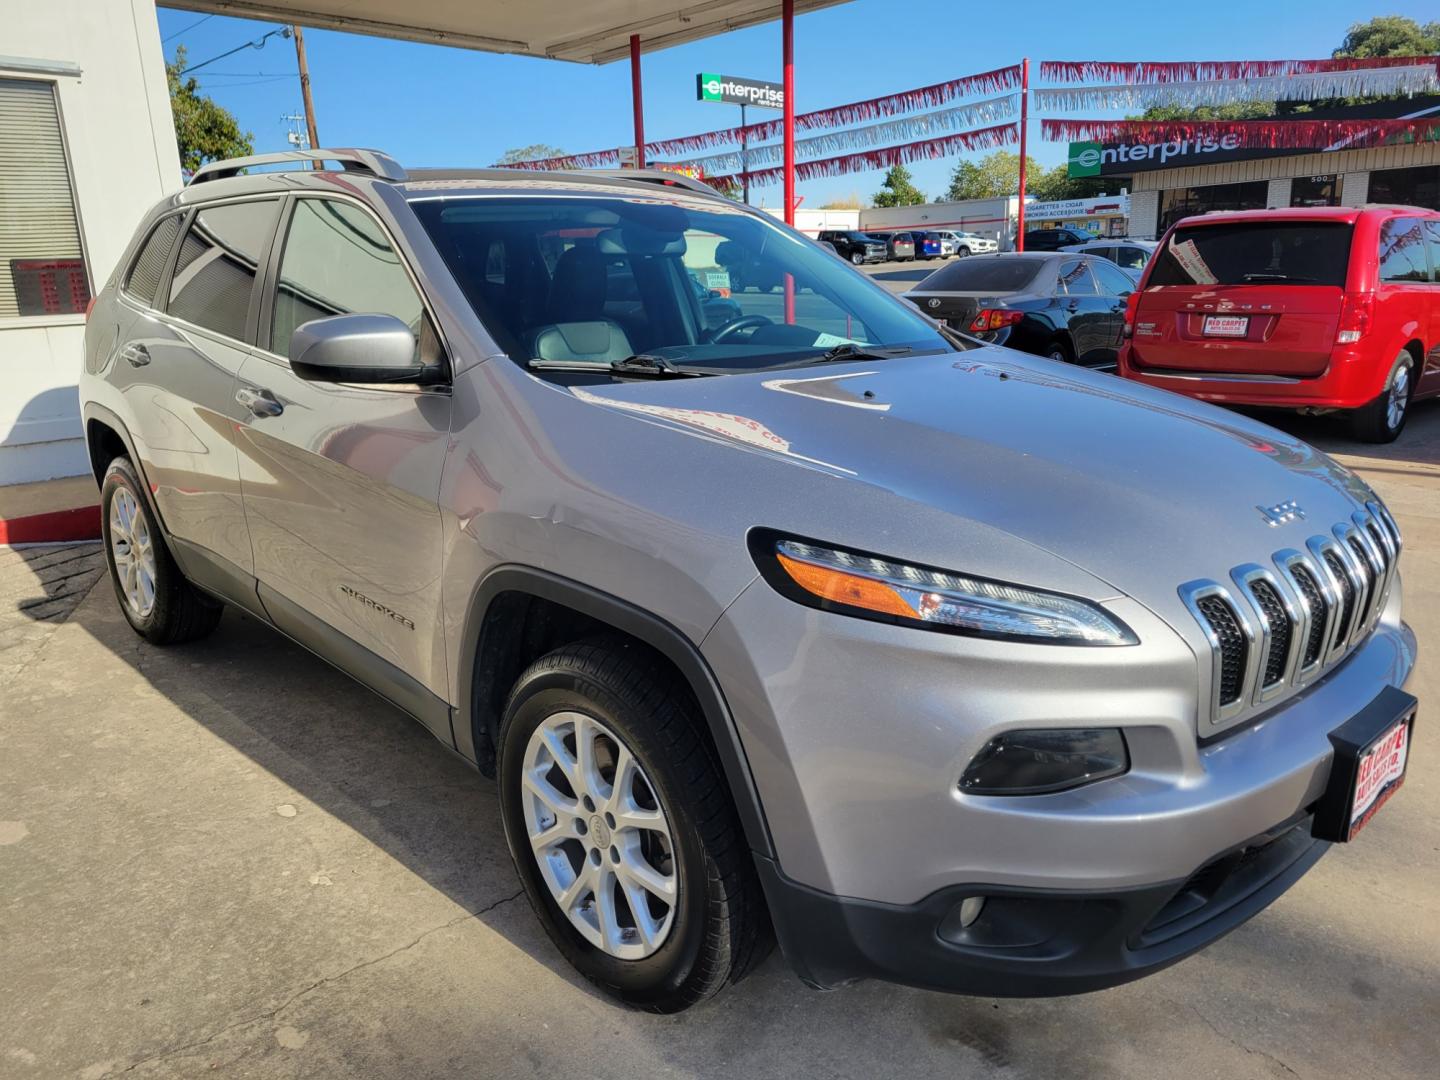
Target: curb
{"type": "Point", "coordinates": [57, 526]}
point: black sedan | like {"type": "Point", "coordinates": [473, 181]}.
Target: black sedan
{"type": "Point", "coordinates": [1064, 306]}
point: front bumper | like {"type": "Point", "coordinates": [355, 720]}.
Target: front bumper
{"type": "Point", "coordinates": [1033, 942]}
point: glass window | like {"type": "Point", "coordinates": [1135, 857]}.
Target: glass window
{"type": "Point", "coordinates": [993, 274]}
{"type": "Point", "coordinates": [1402, 251]}
{"type": "Point", "coordinates": [1131, 258]}
{"type": "Point", "coordinates": [1183, 202]}
{"type": "Point", "coordinates": [144, 276]}
{"type": "Point", "coordinates": [699, 282]}
{"type": "Point", "coordinates": [1075, 279]}
{"type": "Point", "coordinates": [1432, 232]}
{"type": "Point", "coordinates": [42, 265]}
{"type": "Point", "coordinates": [1249, 253]}
{"type": "Point", "coordinates": [1315, 190]}
{"type": "Point", "coordinates": [1113, 281]}
{"type": "Point", "coordinates": [215, 271]}
{"type": "Point", "coordinates": [339, 261]}
{"type": "Point", "coordinates": [1419, 186]}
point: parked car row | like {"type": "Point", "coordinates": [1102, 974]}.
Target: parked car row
{"type": "Point", "coordinates": [1317, 309]}
{"type": "Point", "coordinates": [905, 245]}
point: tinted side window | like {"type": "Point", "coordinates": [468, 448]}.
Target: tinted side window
{"type": "Point", "coordinates": [1432, 231]}
{"type": "Point", "coordinates": [144, 276]}
{"type": "Point", "coordinates": [1075, 279]}
{"type": "Point", "coordinates": [1131, 258]}
{"type": "Point", "coordinates": [1113, 282]}
{"type": "Point", "coordinates": [1402, 250]}
{"type": "Point", "coordinates": [215, 273]}
{"type": "Point", "coordinates": [338, 261]}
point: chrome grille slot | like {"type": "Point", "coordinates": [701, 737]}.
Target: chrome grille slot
{"type": "Point", "coordinates": [1319, 614]}
{"type": "Point", "coordinates": [1285, 624]}
{"type": "Point", "coordinates": [1348, 592]}
{"type": "Point", "coordinates": [1277, 619]}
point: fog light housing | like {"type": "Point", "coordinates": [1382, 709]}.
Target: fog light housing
{"type": "Point", "coordinates": [1044, 761]}
{"type": "Point", "coordinates": [970, 909]}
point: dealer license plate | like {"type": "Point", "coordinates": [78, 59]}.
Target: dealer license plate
{"type": "Point", "coordinates": [1372, 750]}
{"type": "Point", "coordinates": [1226, 325]}
{"type": "Point", "coordinates": [1380, 773]}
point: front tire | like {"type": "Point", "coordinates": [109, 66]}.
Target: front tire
{"type": "Point", "coordinates": [1383, 419]}
{"type": "Point", "coordinates": [622, 829]}
{"type": "Point", "coordinates": [963, 252]}
{"type": "Point", "coordinates": [157, 601]}
{"type": "Point", "coordinates": [857, 258]}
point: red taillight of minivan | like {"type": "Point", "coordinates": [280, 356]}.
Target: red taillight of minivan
{"type": "Point", "coordinates": [1356, 313]}
{"type": "Point", "coordinates": [1132, 304]}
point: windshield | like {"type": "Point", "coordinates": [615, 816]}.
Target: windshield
{"type": "Point", "coordinates": [1254, 253]}
{"type": "Point", "coordinates": [986, 274]}
{"type": "Point", "coordinates": [595, 280]}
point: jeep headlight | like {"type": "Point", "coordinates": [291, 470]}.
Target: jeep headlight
{"type": "Point", "coordinates": [869, 587]}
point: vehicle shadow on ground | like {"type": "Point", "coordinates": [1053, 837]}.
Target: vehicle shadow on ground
{"type": "Point", "coordinates": [905, 273]}
{"type": "Point", "coordinates": [1418, 444]}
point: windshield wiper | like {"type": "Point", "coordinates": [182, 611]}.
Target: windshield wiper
{"type": "Point", "coordinates": [850, 350]}
{"type": "Point", "coordinates": [1271, 276]}
{"type": "Point", "coordinates": [642, 364]}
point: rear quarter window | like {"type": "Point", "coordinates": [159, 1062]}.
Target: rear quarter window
{"type": "Point", "coordinates": [1402, 251]}
{"type": "Point", "coordinates": [1253, 253]}
{"type": "Point", "coordinates": [144, 277]}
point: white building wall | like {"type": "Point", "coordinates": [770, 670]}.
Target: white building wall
{"type": "Point", "coordinates": [1277, 192]}
{"type": "Point", "coordinates": [810, 222]}
{"type": "Point", "coordinates": [1355, 188]}
{"type": "Point", "coordinates": [993, 218]}
{"type": "Point", "coordinates": [1144, 214]}
{"type": "Point", "coordinates": [122, 155]}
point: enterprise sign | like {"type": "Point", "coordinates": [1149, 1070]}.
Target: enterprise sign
{"type": "Point", "coordinates": [733, 90]}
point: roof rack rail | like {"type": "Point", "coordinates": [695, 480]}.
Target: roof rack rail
{"type": "Point", "coordinates": [352, 160]}
{"type": "Point", "coordinates": [658, 176]}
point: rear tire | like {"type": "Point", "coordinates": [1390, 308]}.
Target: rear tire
{"type": "Point", "coordinates": [1383, 419]}
{"type": "Point", "coordinates": [1060, 352]}
{"type": "Point", "coordinates": [157, 601]}
{"type": "Point", "coordinates": [710, 927]}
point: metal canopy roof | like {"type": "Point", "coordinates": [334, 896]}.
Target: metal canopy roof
{"type": "Point", "coordinates": [584, 31]}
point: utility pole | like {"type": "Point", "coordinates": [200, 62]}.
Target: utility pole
{"type": "Point", "coordinates": [305, 88]}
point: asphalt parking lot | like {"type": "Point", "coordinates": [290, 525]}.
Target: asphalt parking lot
{"type": "Point", "coordinates": [227, 859]}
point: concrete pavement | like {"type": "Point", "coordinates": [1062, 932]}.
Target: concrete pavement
{"type": "Point", "coordinates": [227, 859]}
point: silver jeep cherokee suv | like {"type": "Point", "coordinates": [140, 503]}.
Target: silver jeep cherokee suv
{"type": "Point", "coordinates": [796, 613]}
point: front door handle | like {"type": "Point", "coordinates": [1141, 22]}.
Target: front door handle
{"type": "Point", "coordinates": [135, 355]}
{"type": "Point", "coordinates": [259, 401]}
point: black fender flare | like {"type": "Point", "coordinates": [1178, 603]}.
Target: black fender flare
{"type": "Point", "coordinates": [638, 623]}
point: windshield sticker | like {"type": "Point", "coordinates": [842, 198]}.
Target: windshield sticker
{"type": "Point", "coordinates": [829, 341]}
{"type": "Point", "coordinates": [1191, 261]}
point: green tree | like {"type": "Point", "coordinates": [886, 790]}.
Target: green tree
{"type": "Point", "coordinates": [898, 189]}
{"type": "Point", "coordinates": [1391, 35]}
{"type": "Point", "coordinates": [994, 175]}
{"type": "Point", "coordinates": [1055, 184]}
{"type": "Point", "coordinates": [204, 131]}
{"type": "Point", "coordinates": [533, 152]}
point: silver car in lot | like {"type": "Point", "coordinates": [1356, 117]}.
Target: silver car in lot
{"type": "Point", "coordinates": [938, 663]}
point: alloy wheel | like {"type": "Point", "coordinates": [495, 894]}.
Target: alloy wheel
{"type": "Point", "coordinates": [133, 550]}
{"type": "Point", "coordinates": [599, 835]}
{"type": "Point", "coordinates": [1399, 397]}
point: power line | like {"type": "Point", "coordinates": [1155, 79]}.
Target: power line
{"type": "Point", "coordinates": [187, 29]}
{"type": "Point", "coordinates": [258, 43]}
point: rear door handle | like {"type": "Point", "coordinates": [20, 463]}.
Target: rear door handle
{"type": "Point", "coordinates": [136, 355]}
{"type": "Point", "coordinates": [259, 401]}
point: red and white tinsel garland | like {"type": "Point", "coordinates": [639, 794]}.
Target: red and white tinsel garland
{"type": "Point", "coordinates": [1152, 71]}
{"type": "Point", "coordinates": [1287, 134]}
{"type": "Point", "coordinates": [924, 97]}
{"type": "Point", "coordinates": [1314, 86]}
{"type": "Point", "coordinates": [883, 158]}
{"type": "Point", "coordinates": [908, 129]}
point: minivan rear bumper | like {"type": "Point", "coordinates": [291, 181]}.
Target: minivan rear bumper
{"type": "Point", "coordinates": [1351, 380]}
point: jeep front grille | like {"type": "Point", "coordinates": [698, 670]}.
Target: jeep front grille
{"type": "Point", "coordinates": [1272, 628]}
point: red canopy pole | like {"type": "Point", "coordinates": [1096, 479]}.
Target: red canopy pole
{"type": "Point", "coordinates": [637, 101]}
{"type": "Point", "coordinates": [1024, 123]}
{"type": "Point", "coordinates": [787, 49]}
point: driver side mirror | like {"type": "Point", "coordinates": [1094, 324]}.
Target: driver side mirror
{"type": "Point", "coordinates": [358, 349]}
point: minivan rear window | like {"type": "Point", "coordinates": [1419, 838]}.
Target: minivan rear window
{"type": "Point", "coordinates": [1255, 253]}
{"type": "Point", "coordinates": [991, 275]}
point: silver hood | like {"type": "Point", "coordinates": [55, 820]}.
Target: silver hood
{"type": "Point", "coordinates": [1140, 488]}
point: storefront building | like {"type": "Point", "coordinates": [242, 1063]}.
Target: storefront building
{"type": "Point", "coordinates": [1172, 180]}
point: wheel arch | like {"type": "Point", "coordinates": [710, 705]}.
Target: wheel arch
{"type": "Point", "coordinates": [495, 648]}
{"type": "Point", "coordinates": [105, 434]}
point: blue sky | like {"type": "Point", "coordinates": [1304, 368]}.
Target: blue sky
{"type": "Point", "coordinates": [428, 105]}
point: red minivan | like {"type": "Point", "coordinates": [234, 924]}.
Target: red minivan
{"type": "Point", "coordinates": [1317, 309]}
